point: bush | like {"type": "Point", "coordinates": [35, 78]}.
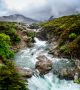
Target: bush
{"type": "Point", "coordinates": [31, 36]}
{"type": "Point", "coordinates": [72, 36]}
{"type": "Point", "coordinates": [62, 48]}
{"type": "Point", "coordinates": [73, 47]}
{"type": "Point", "coordinates": [11, 30]}
{"type": "Point", "coordinates": [4, 46]}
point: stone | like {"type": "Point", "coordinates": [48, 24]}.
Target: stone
{"type": "Point", "coordinates": [43, 65]}
{"type": "Point", "coordinates": [67, 74]}
{"type": "Point", "coordinates": [25, 72]}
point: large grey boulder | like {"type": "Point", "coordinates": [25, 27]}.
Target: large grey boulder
{"type": "Point", "coordinates": [43, 65]}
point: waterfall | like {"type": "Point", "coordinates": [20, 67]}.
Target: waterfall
{"type": "Point", "coordinates": [26, 58]}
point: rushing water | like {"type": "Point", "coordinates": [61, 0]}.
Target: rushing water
{"type": "Point", "coordinates": [26, 58]}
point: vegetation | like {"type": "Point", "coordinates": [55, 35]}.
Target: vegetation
{"type": "Point", "coordinates": [31, 35]}
{"type": "Point", "coordinates": [77, 81]}
{"type": "Point", "coordinates": [73, 36]}
{"type": "Point", "coordinates": [4, 46]}
{"type": "Point", "coordinates": [9, 77]}
{"type": "Point", "coordinates": [67, 30]}
{"type": "Point", "coordinates": [11, 30]}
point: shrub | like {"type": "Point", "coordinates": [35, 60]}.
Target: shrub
{"type": "Point", "coordinates": [62, 48]}
{"type": "Point", "coordinates": [73, 47]}
{"type": "Point", "coordinates": [72, 36]}
{"type": "Point", "coordinates": [31, 36]}
{"type": "Point", "coordinates": [4, 46]}
{"type": "Point", "coordinates": [11, 30]}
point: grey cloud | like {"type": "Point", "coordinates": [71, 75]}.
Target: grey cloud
{"type": "Point", "coordinates": [51, 7]}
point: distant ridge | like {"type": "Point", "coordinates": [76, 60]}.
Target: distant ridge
{"type": "Point", "coordinates": [18, 18]}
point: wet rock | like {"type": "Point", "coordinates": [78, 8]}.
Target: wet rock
{"type": "Point", "coordinates": [67, 74]}
{"type": "Point", "coordinates": [44, 65]}
{"type": "Point", "coordinates": [25, 72]}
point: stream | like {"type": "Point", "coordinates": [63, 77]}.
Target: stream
{"type": "Point", "coordinates": [26, 58]}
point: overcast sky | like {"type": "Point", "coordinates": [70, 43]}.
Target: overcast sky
{"type": "Point", "coordinates": [39, 9]}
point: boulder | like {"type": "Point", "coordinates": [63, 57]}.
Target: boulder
{"type": "Point", "coordinates": [67, 74]}
{"type": "Point", "coordinates": [25, 72]}
{"type": "Point", "coordinates": [43, 65]}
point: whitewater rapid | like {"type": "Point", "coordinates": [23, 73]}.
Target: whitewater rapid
{"type": "Point", "coordinates": [26, 58]}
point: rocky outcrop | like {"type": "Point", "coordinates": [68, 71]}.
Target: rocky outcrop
{"type": "Point", "coordinates": [43, 65]}
{"type": "Point", "coordinates": [25, 72]}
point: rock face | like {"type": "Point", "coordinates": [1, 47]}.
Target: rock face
{"type": "Point", "coordinates": [44, 65]}
{"type": "Point", "coordinates": [25, 72]}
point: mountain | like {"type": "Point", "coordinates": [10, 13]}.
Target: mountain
{"type": "Point", "coordinates": [51, 18]}
{"type": "Point", "coordinates": [18, 18]}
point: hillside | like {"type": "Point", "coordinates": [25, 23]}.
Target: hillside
{"type": "Point", "coordinates": [66, 31]}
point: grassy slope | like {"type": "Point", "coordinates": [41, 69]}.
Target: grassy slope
{"type": "Point", "coordinates": [67, 29]}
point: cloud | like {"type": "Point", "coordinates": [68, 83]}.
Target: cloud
{"type": "Point", "coordinates": [39, 9]}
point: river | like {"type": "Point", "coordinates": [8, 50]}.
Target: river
{"type": "Point", "coordinates": [26, 58]}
